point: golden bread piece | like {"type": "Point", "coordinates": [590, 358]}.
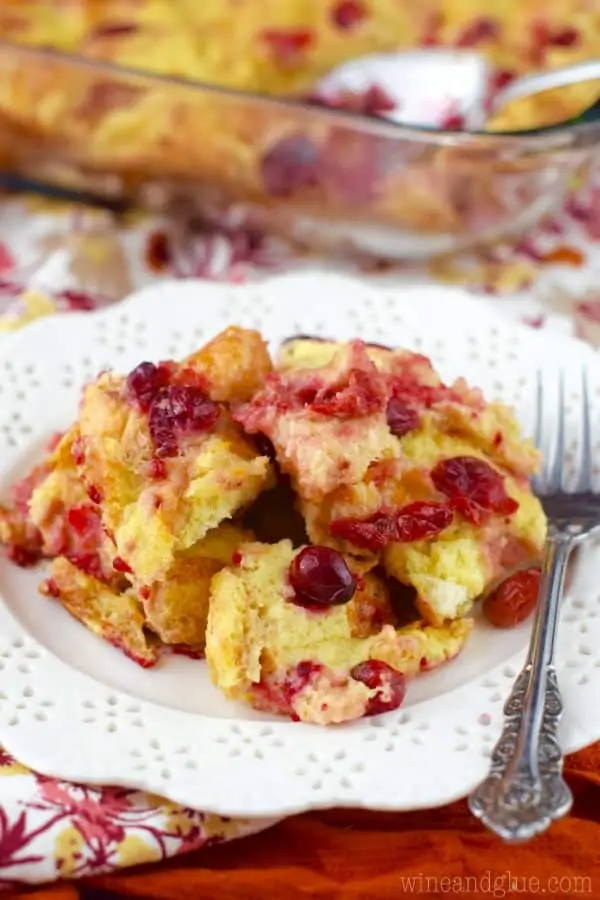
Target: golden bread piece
{"type": "Point", "coordinates": [311, 662]}
{"type": "Point", "coordinates": [176, 608]}
{"type": "Point", "coordinates": [235, 364]}
{"type": "Point", "coordinates": [115, 616]}
{"type": "Point", "coordinates": [327, 425]}
{"type": "Point", "coordinates": [167, 474]}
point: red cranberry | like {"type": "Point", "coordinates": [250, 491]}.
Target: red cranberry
{"type": "Point", "coordinates": [144, 383]}
{"type": "Point", "coordinates": [287, 45]}
{"type": "Point", "coordinates": [178, 409]}
{"type": "Point", "coordinates": [514, 600]}
{"type": "Point", "coordinates": [389, 684]}
{"type": "Point", "coordinates": [420, 520]}
{"type": "Point", "coordinates": [501, 79]}
{"type": "Point", "coordinates": [78, 300]}
{"type": "Point", "coordinates": [78, 451]}
{"type": "Point", "coordinates": [51, 588]}
{"type": "Point", "coordinates": [158, 469]}
{"type": "Point", "coordinates": [374, 101]}
{"type": "Point", "coordinates": [85, 522]}
{"type": "Point", "coordinates": [114, 29]}
{"type": "Point", "coordinates": [159, 255]}
{"type": "Point", "coordinates": [363, 395]}
{"type": "Point", "coordinates": [453, 121]}
{"type": "Point", "coordinates": [483, 29]}
{"type": "Point", "coordinates": [401, 418]}
{"type": "Point", "coordinates": [377, 101]}
{"type": "Point", "coordinates": [348, 13]}
{"type": "Point", "coordinates": [119, 565]}
{"type": "Point", "coordinates": [290, 165]}
{"type": "Point", "coordinates": [94, 494]}
{"type": "Point", "coordinates": [145, 592]}
{"type": "Point", "coordinates": [23, 556]}
{"type": "Point", "coordinates": [320, 577]}
{"type": "Point", "coordinates": [373, 533]}
{"type": "Point", "coordinates": [88, 563]}
{"type": "Point", "coordinates": [566, 37]}
{"type": "Point", "coordinates": [474, 488]}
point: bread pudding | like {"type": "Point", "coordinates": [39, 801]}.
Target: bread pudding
{"type": "Point", "coordinates": [300, 633]}
{"type": "Point", "coordinates": [319, 527]}
{"type": "Point", "coordinates": [452, 513]}
{"type": "Point", "coordinates": [101, 125]}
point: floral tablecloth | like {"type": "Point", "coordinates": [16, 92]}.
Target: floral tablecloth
{"type": "Point", "coordinates": [55, 258]}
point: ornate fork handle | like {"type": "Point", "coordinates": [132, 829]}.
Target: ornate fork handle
{"type": "Point", "coordinates": [525, 791]}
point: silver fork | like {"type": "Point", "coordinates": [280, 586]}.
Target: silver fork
{"type": "Point", "coordinates": [524, 791]}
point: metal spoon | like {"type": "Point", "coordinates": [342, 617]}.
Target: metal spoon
{"type": "Point", "coordinates": [425, 84]}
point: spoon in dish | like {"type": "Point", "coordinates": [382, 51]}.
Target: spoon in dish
{"type": "Point", "coordinates": [447, 88]}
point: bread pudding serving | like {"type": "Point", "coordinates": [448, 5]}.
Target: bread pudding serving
{"type": "Point", "coordinates": [319, 526]}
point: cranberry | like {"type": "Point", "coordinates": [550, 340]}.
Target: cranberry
{"type": "Point", "coordinates": [566, 37]}
{"type": "Point", "coordinates": [85, 522]}
{"type": "Point", "coordinates": [23, 556]}
{"type": "Point", "coordinates": [119, 565]}
{"type": "Point", "coordinates": [78, 300]}
{"type": "Point", "coordinates": [179, 409]}
{"type": "Point", "coordinates": [501, 79]}
{"type": "Point", "coordinates": [278, 695]}
{"type": "Point", "coordinates": [320, 577]}
{"type": "Point", "coordinates": [158, 469]}
{"type": "Point", "coordinates": [363, 395]}
{"type": "Point", "coordinates": [373, 533]}
{"type": "Point", "coordinates": [88, 563]}
{"type": "Point", "coordinates": [144, 383]}
{"type": "Point", "coordinates": [374, 101]}
{"type": "Point", "coordinates": [348, 13]}
{"type": "Point", "coordinates": [401, 418]}
{"type": "Point", "coordinates": [420, 520]}
{"type": "Point", "coordinates": [94, 494]}
{"type": "Point", "coordinates": [114, 29]}
{"type": "Point", "coordinates": [377, 101]}
{"type": "Point", "coordinates": [514, 600]}
{"type": "Point", "coordinates": [474, 488]}
{"type": "Point", "coordinates": [290, 165]}
{"type": "Point", "coordinates": [51, 588]}
{"type": "Point", "coordinates": [145, 592]}
{"type": "Point", "coordinates": [479, 30]}
{"type": "Point", "coordinates": [78, 451]}
{"type": "Point", "coordinates": [413, 522]}
{"type": "Point", "coordinates": [287, 45]}
{"type": "Point", "coordinates": [237, 558]}
{"type": "Point", "coordinates": [389, 684]}
{"type": "Point", "coordinates": [158, 251]}
{"type": "Point", "coordinates": [453, 121]}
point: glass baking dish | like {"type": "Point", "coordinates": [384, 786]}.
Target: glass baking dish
{"type": "Point", "coordinates": [325, 178]}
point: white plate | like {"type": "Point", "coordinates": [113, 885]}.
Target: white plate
{"type": "Point", "coordinates": [73, 707]}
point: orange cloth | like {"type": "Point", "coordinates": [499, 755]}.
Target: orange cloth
{"type": "Point", "coordinates": [355, 855]}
